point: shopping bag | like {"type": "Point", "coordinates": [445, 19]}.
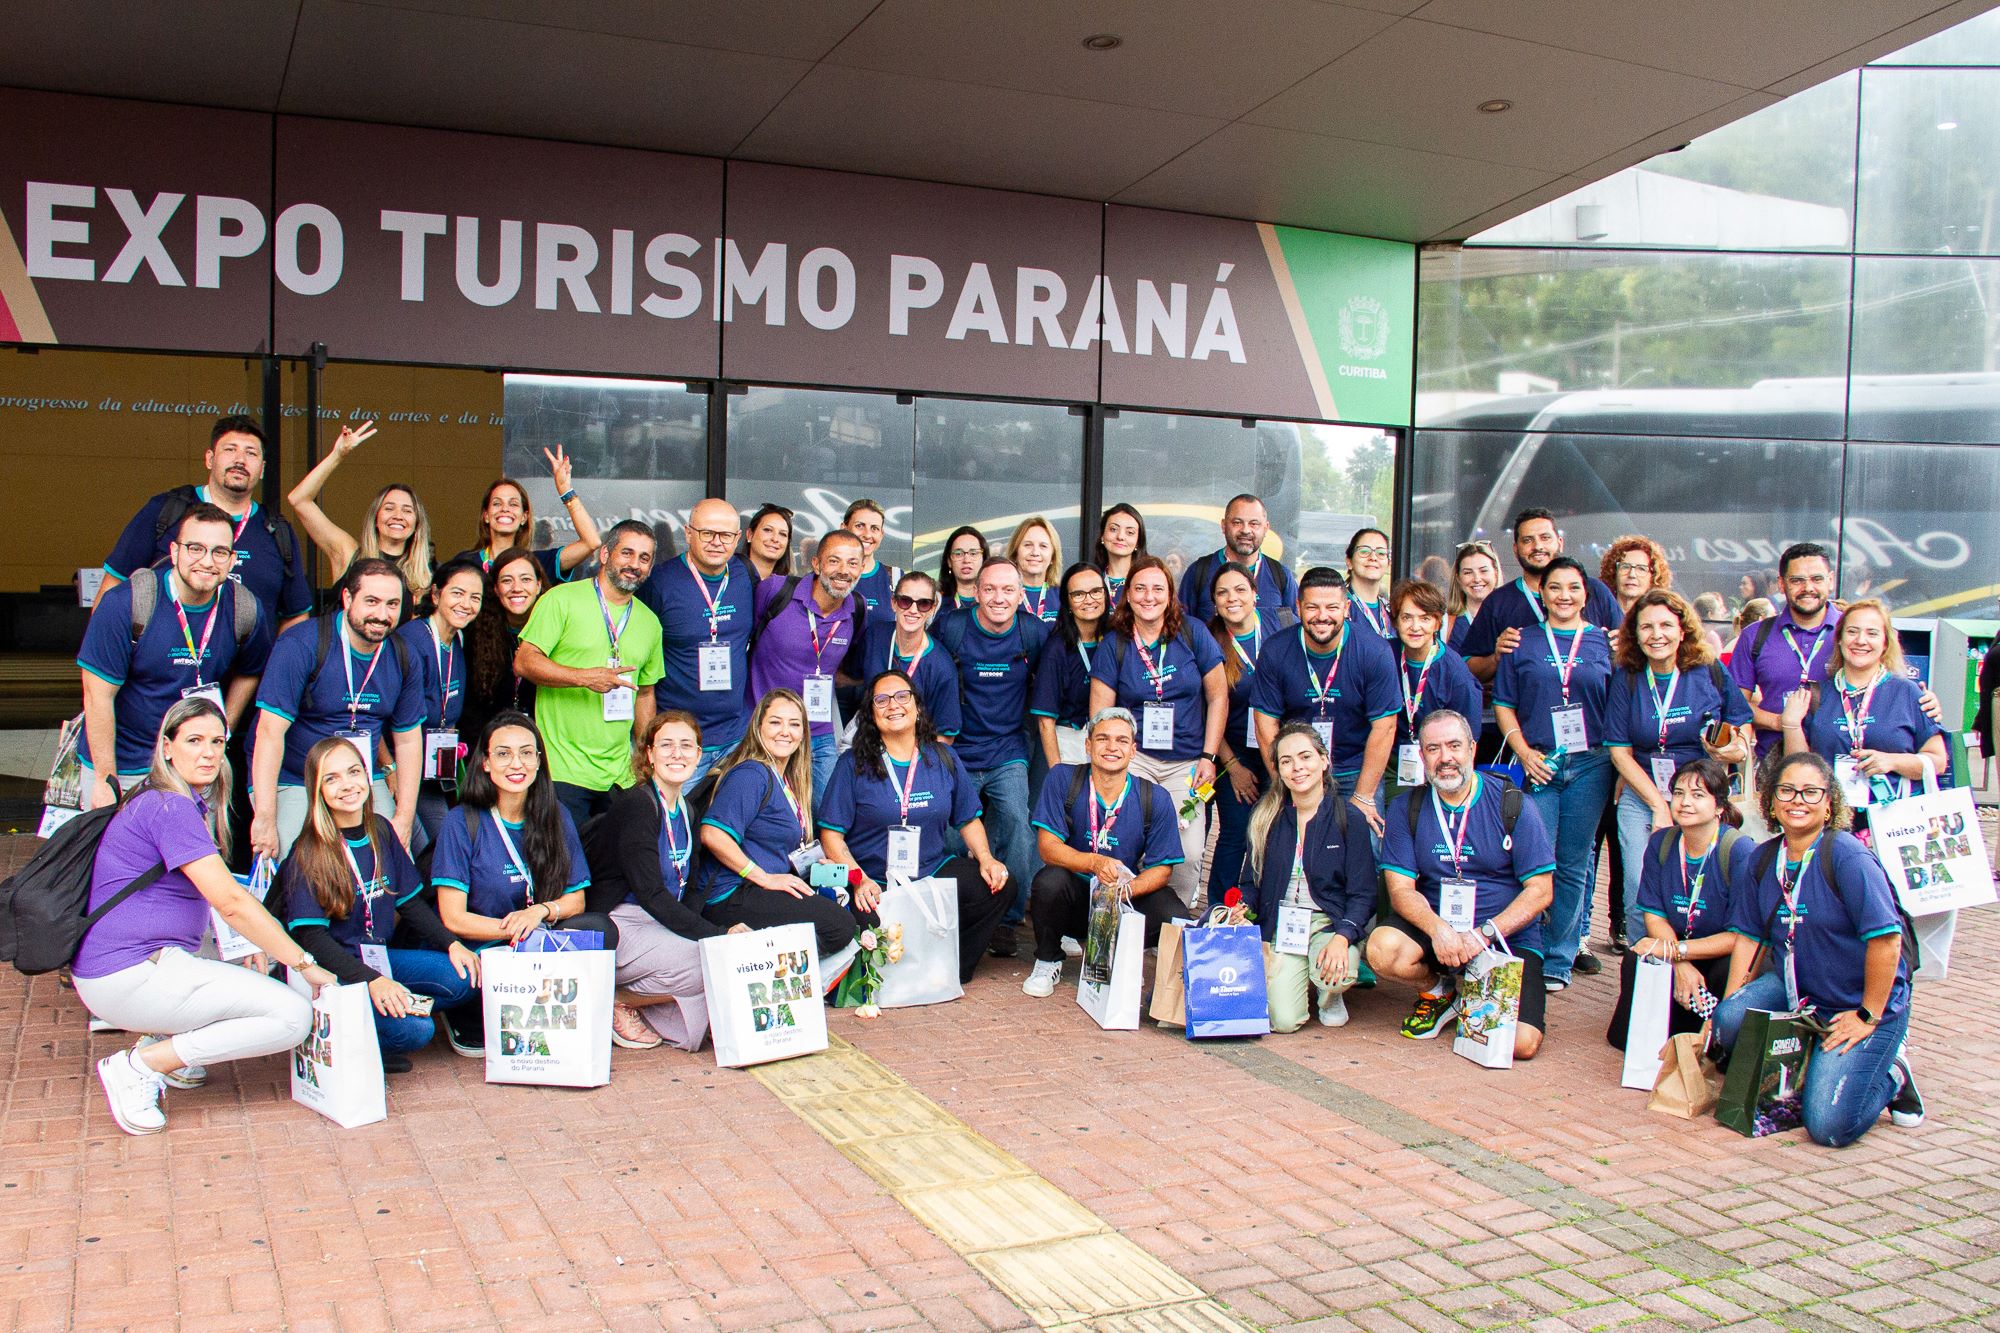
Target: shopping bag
{"type": "Point", "coordinates": [1489, 997]}
{"type": "Point", "coordinates": [1930, 846]}
{"type": "Point", "coordinates": [1689, 1083]}
{"type": "Point", "coordinates": [229, 944]}
{"type": "Point", "coordinates": [926, 912]}
{"type": "Point", "coordinates": [337, 1069]}
{"type": "Point", "coordinates": [1652, 1007]}
{"type": "Point", "coordinates": [764, 1000]}
{"type": "Point", "coordinates": [1114, 957]}
{"type": "Point", "coordinates": [548, 1017]}
{"type": "Point", "coordinates": [542, 940]}
{"type": "Point", "coordinates": [1223, 971]}
{"type": "Point", "coordinates": [1767, 1071]}
{"type": "Point", "coordinates": [1169, 1006]}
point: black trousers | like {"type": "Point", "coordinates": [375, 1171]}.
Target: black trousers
{"type": "Point", "coordinates": [833, 927]}
{"type": "Point", "coordinates": [467, 1020]}
{"type": "Point", "coordinates": [979, 910]}
{"type": "Point", "coordinates": [1679, 1018]}
{"type": "Point", "coordinates": [1614, 855]}
{"type": "Point", "coordinates": [1062, 907]}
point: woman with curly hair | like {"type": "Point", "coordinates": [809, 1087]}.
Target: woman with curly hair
{"type": "Point", "coordinates": [513, 584]}
{"type": "Point", "coordinates": [1633, 565]}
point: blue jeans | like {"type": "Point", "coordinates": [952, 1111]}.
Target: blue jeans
{"type": "Point", "coordinates": [421, 972]}
{"type": "Point", "coordinates": [711, 755]}
{"type": "Point", "coordinates": [1845, 1092]}
{"type": "Point", "coordinates": [1635, 830]}
{"type": "Point", "coordinates": [581, 802]}
{"type": "Point", "coordinates": [826, 750]}
{"type": "Point", "coordinates": [1232, 823]}
{"type": "Point", "coordinates": [1570, 808]}
{"type": "Point", "coordinates": [1003, 798]}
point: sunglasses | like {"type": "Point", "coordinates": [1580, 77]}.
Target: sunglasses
{"type": "Point", "coordinates": [903, 603]}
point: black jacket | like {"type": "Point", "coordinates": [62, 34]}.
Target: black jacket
{"type": "Point", "coordinates": [623, 848]}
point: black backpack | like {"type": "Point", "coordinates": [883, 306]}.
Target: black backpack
{"type": "Point", "coordinates": [777, 604]}
{"type": "Point", "coordinates": [146, 600]}
{"type": "Point", "coordinates": [1767, 856]}
{"type": "Point", "coordinates": [183, 498]}
{"type": "Point", "coordinates": [1511, 800]}
{"type": "Point", "coordinates": [1080, 774]}
{"type": "Point", "coordinates": [43, 905]}
{"type": "Point", "coordinates": [324, 628]}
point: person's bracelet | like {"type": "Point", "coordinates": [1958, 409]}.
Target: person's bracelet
{"type": "Point", "coordinates": [1509, 734]}
{"type": "Point", "coordinates": [1368, 801]}
{"type": "Point", "coordinates": [567, 495]}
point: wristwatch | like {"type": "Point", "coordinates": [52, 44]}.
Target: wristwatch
{"type": "Point", "coordinates": [1489, 932]}
{"type": "Point", "coordinates": [1862, 1012]}
{"type": "Point", "coordinates": [1213, 759]}
{"type": "Point", "coordinates": [306, 960]}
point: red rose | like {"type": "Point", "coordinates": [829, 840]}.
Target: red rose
{"type": "Point", "coordinates": [1233, 898]}
{"type": "Point", "coordinates": [854, 877]}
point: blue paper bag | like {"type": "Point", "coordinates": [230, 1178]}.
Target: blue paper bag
{"type": "Point", "coordinates": [1223, 968]}
{"type": "Point", "coordinates": [560, 941]}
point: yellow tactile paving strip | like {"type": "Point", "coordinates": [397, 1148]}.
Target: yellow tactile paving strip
{"type": "Point", "coordinates": [1054, 1258]}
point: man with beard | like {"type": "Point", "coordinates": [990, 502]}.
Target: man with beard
{"type": "Point", "coordinates": [804, 627]}
{"type": "Point", "coordinates": [268, 562]}
{"type": "Point", "coordinates": [1516, 606]}
{"type": "Point", "coordinates": [1462, 875]}
{"type": "Point", "coordinates": [703, 602]}
{"type": "Point", "coordinates": [374, 697]}
{"type": "Point", "coordinates": [1244, 527]}
{"type": "Point", "coordinates": [593, 652]}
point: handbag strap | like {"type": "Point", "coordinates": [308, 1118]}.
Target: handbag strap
{"type": "Point", "coordinates": [929, 901]}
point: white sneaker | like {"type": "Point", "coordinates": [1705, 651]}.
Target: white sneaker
{"type": "Point", "coordinates": [1333, 1013]}
{"type": "Point", "coordinates": [134, 1093]}
{"type": "Point", "coordinates": [99, 1025]}
{"type": "Point", "coordinates": [1071, 949]}
{"type": "Point", "coordinates": [1041, 982]}
{"type": "Point", "coordinates": [186, 1078]}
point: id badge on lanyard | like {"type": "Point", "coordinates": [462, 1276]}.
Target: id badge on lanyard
{"type": "Point", "coordinates": [1663, 773]}
{"type": "Point", "coordinates": [365, 743]}
{"type": "Point", "coordinates": [441, 754]}
{"type": "Point", "coordinates": [211, 692]}
{"type": "Point", "coordinates": [1409, 764]}
{"type": "Point", "coordinates": [376, 956]}
{"type": "Point", "coordinates": [1458, 902]}
{"type": "Point", "coordinates": [1157, 727]}
{"type": "Point", "coordinates": [1295, 912]}
{"type": "Point", "coordinates": [904, 840]}
{"type": "Point", "coordinates": [1852, 781]}
{"type": "Point", "coordinates": [713, 670]}
{"type": "Point", "coordinates": [1572, 736]}
{"type": "Point", "coordinates": [819, 698]}
{"type": "Point", "coordinates": [361, 739]}
{"type": "Point", "coordinates": [620, 701]}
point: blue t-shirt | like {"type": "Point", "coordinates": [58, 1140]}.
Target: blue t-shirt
{"type": "Point", "coordinates": [994, 672]}
{"type": "Point", "coordinates": [935, 678]}
{"type": "Point", "coordinates": [1633, 712]}
{"type": "Point", "coordinates": [260, 566]}
{"type": "Point", "coordinates": [1894, 721]}
{"type": "Point", "coordinates": [1512, 606]}
{"type": "Point", "coordinates": [1362, 690]}
{"type": "Point", "coordinates": [1276, 588]}
{"type": "Point", "coordinates": [1373, 617]}
{"type": "Point", "coordinates": [676, 846]}
{"type": "Point", "coordinates": [1699, 887]}
{"type": "Point", "coordinates": [1461, 626]}
{"type": "Point", "coordinates": [442, 667]}
{"type": "Point", "coordinates": [1126, 835]}
{"type": "Point", "coordinates": [1043, 601]}
{"type": "Point", "coordinates": [862, 807]}
{"type": "Point", "coordinates": [478, 863]}
{"type": "Point", "coordinates": [1832, 929]}
{"type": "Point", "coordinates": [680, 597]}
{"type": "Point", "coordinates": [1062, 682]}
{"type": "Point", "coordinates": [1500, 867]}
{"type": "Point", "coordinates": [548, 560]}
{"type": "Point", "coordinates": [371, 919]}
{"type": "Point", "coordinates": [1449, 683]}
{"type": "Point", "coordinates": [750, 805]}
{"type": "Point", "coordinates": [1530, 682]}
{"type": "Point", "coordinates": [380, 700]}
{"type": "Point", "coordinates": [877, 585]}
{"type": "Point", "coordinates": [1179, 665]}
{"type": "Point", "coordinates": [151, 673]}
{"type": "Point", "coordinates": [1240, 730]}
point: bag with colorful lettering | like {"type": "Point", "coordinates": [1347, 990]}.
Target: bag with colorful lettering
{"type": "Point", "coordinates": [548, 1017]}
{"type": "Point", "coordinates": [1931, 849]}
{"type": "Point", "coordinates": [337, 1069]}
{"type": "Point", "coordinates": [764, 998]}
{"type": "Point", "coordinates": [1767, 1073]}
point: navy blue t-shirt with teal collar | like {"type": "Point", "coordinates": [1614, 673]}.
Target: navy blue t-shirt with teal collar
{"type": "Point", "coordinates": [1694, 895]}
{"type": "Point", "coordinates": [1530, 683]}
{"type": "Point", "coordinates": [936, 677]}
{"type": "Point", "coordinates": [1512, 606]}
{"type": "Point", "coordinates": [1633, 712]}
{"type": "Point", "coordinates": [681, 596]}
{"type": "Point", "coordinates": [1062, 682]}
{"type": "Point", "coordinates": [1043, 601]}
{"type": "Point", "coordinates": [1180, 662]}
{"type": "Point", "coordinates": [1374, 617]}
{"type": "Point", "coordinates": [862, 807]}
{"type": "Point", "coordinates": [442, 667]}
{"type": "Point", "coordinates": [548, 560]}
{"type": "Point", "coordinates": [1127, 836]}
{"type": "Point", "coordinates": [386, 702]}
{"type": "Point", "coordinates": [1362, 691]}
{"type": "Point", "coordinates": [371, 919]}
{"type": "Point", "coordinates": [1832, 928]}
{"type": "Point", "coordinates": [1894, 721]}
{"type": "Point", "coordinates": [994, 672]}
{"type": "Point", "coordinates": [676, 848]}
{"type": "Point", "coordinates": [750, 805]}
{"type": "Point", "coordinates": [260, 566]}
{"type": "Point", "coordinates": [151, 673]}
{"type": "Point", "coordinates": [1276, 587]}
{"type": "Point", "coordinates": [478, 864]}
{"type": "Point", "coordinates": [1447, 683]}
{"type": "Point", "coordinates": [877, 585]}
{"type": "Point", "coordinates": [1239, 731]}
{"type": "Point", "coordinates": [1498, 865]}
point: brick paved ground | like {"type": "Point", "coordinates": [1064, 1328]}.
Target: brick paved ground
{"type": "Point", "coordinates": [1327, 1180]}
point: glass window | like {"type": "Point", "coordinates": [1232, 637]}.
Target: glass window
{"type": "Point", "coordinates": [1929, 141]}
{"type": "Point", "coordinates": [1319, 483]}
{"type": "Point", "coordinates": [1926, 350]}
{"type": "Point", "coordinates": [1973, 42]}
{"type": "Point", "coordinates": [1637, 343]}
{"type": "Point", "coordinates": [816, 450]}
{"type": "Point", "coordinates": [1721, 508]}
{"type": "Point", "coordinates": [994, 464]}
{"type": "Point", "coordinates": [1918, 527]}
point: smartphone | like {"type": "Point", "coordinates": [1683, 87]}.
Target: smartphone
{"type": "Point", "coordinates": [421, 1006]}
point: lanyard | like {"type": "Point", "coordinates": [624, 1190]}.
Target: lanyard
{"type": "Point", "coordinates": [1040, 603]}
{"type": "Point", "coordinates": [1377, 622]}
{"type": "Point", "coordinates": [1454, 836]}
{"type": "Point", "coordinates": [785, 788]}
{"type": "Point", "coordinates": [361, 892]}
{"type": "Point", "coordinates": [1564, 667]}
{"type": "Point", "coordinates": [1256, 642]}
{"type": "Point", "coordinates": [1662, 706]}
{"type": "Point", "coordinates": [1298, 851]}
{"type": "Point", "coordinates": [353, 695]}
{"type": "Point", "coordinates": [1693, 892]}
{"type": "Point", "coordinates": [441, 650]}
{"type": "Point", "coordinates": [674, 852]}
{"type": "Point", "coordinates": [214, 609]}
{"type": "Point", "coordinates": [1412, 702]}
{"type": "Point", "coordinates": [903, 789]}
{"type": "Point", "coordinates": [1083, 651]}
{"type": "Point", "coordinates": [1157, 676]}
{"type": "Point", "coordinates": [1097, 835]}
{"type": "Point", "coordinates": [514, 854]}
{"type": "Point", "coordinates": [1534, 601]}
{"type": "Point", "coordinates": [237, 526]}
{"type": "Point", "coordinates": [701, 586]}
{"type": "Point", "coordinates": [1322, 688]}
{"type": "Point", "coordinates": [1857, 719]}
{"type": "Point", "coordinates": [1790, 893]}
{"type": "Point", "coordinates": [921, 653]}
{"type": "Point", "coordinates": [614, 635]}
{"type": "Point", "coordinates": [1806, 657]}
{"type": "Point", "coordinates": [812, 630]}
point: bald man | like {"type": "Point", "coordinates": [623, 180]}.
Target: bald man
{"type": "Point", "coordinates": [703, 600]}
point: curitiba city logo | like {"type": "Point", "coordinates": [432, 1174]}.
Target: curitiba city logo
{"type": "Point", "coordinates": [1364, 335]}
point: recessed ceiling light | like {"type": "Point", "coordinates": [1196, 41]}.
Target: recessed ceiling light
{"type": "Point", "coordinates": [1103, 41]}
{"type": "Point", "coordinates": [1947, 124]}
{"type": "Point", "coordinates": [1494, 106]}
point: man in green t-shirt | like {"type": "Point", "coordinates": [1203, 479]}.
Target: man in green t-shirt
{"type": "Point", "coordinates": [593, 652]}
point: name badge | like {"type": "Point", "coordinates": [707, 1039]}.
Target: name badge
{"type": "Point", "coordinates": [1663, 773]}
{"type": "Point", "coordinates": [1294, 929]}
{"type": "Point", "coordinates": [712, 668]}
{"type": "Point", "coordinates": [819, 698]}
{"type": "Point", "coordinates": [1409, 765]}
{"type": "Point", "coordinates": [1457, 902]}
{"type": "Point", "coordinates": [211, 692]}
{"type": "Point", "coordinates": [1324, 727]}
{"type": "Point", "coordinates": [902, 859]}
{"type": "Point", "coordinates": [1250, 728]}
{"type": "Point", "coordinates": [365, 743]}
{"type": "Point", "coordinates": [441, 753]}
{"type": "Point", "coordinates": [1157, 727]}
{"type": "Point", "coordinates": [1572, 737]}
{"type": "Point", "coordinates": [620, 699]}
{"type": "Point", "coordinates": [805, 856]}
{"type": "Point", "coordinates": [377, 957]}
{"type": "Point", "coordinates": [1852, 781]}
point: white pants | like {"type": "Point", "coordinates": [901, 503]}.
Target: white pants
{"type": "Point", "coordinates": [213, 1011]}
{"type": "Point", "coordinates": [293, 805]}
{"type": "Point", "coordinates": [1176, 779]}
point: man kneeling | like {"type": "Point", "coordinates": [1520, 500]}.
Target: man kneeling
{"type": "Point", "coordinates": [1468, 863]}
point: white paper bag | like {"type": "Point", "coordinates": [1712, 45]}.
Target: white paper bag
{"type": "Point", "coordinates": [548, 1017]}
{"type": "Point", "coordinates": [927, 910]}
{"type": "Point", "coordinates": [337, 1069]}
{"type": "Point", "coordinates": [1489, 996]}
{"type": "Point", "coordinates": [1114, 959]}
{"type": "Point", "coordinates": [1930, 847]}
{"type": "Point", "coordinates": [1652, 1008]}
{"type": "Point", "coordinates": [1934, 945]}
{"type": "Point", "coordinates": [764, 997]}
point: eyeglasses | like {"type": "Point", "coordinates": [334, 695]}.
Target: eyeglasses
{"type": "Point", "coordinates": [1381, 551]}
{"type": "Point", "coordinates": [1087, 595]}
{"type": "Point", "coordinates": [902, 603]}
{"type": "Point", "coordinates": [1810, 795]}
{"type": "Point", "coordinates": [195, 551]}
{"type": "Point", "coordinates": [1631, 567]}
{"type": "Point", "coordinates": [893, 697]}
{"type": "Point", "coordinates": [715, 536]}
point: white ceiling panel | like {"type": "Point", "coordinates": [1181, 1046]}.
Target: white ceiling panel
{"type": "Point", "coordinates": [1673, 136]}
{"type": "Point", "coordinates": [214, 52]}
{"type": "Point", "coordinates": [1895, 39]}
{"type": "Point", "coordinates": [860, 120]}
{"type": "Point", "coordinates": [797, 29]}
{"type": "Point", "coordinates": [1569, 108]}
{"type": "Point", "coordinates": [1172, 56]}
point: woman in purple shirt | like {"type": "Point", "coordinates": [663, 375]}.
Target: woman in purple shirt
{"type": "Point", "coordinates": [137, 968]}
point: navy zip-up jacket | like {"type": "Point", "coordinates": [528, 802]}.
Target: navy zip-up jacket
{"type": "Point", "coordinates": [1340, 870]}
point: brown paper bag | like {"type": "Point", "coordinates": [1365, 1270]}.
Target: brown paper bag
{"type": "Point", "coordinates": [1169, 1005]}
{"type": "Point", "coordinates": [1689, 1083]}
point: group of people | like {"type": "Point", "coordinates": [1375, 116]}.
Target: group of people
{"type": "Point", "coordinates": [589, 736]}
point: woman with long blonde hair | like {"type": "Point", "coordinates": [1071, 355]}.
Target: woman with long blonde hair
{"type": "Point", "coordinates": [398, 530]}
{"type": "Point", "coordinates": [1036, 551]}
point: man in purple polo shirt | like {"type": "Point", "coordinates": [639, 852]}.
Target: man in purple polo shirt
{"type": "Point", "coordinates": [801, 644]}
{"type": "Point", "coordinates": [1789, 651]}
